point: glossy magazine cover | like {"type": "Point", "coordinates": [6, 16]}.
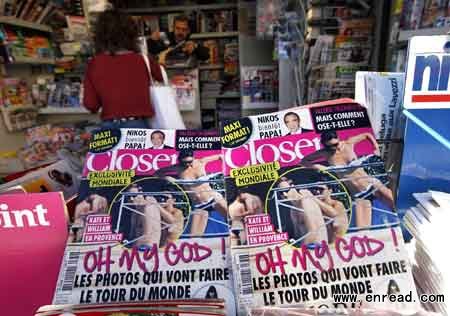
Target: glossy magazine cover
{"type": "Point", "coordinates": [151, 221]}
{"type": "Point", "coordinates": [311, 208]}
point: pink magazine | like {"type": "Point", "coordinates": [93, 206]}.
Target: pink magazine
{"type": "Point", "coordinates": [35, 228]}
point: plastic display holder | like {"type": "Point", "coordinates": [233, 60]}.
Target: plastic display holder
{"type": "Point", "coordinates": [426, 155]}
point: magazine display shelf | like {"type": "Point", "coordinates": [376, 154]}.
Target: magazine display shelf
{"type": "Point", "coordinates": [60, 110]}
{"type": "Point", "coordinates": [30, 68]}
{"type": "Point", "coordinates": [214, 35]}
{"type": "Point", "coordinates": [34, 61]}
{"type": "Point", "coordinates": [201, 67]}
{"type": "Point", "coordinates": [405, 35]}
{"type": "Point", "coordinates": [165, 9]}
{"type": "Point", "coordinates": [23, 23]}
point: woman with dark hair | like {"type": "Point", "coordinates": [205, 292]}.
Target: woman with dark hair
{"type": "Point", "coordinates": [117, 79]}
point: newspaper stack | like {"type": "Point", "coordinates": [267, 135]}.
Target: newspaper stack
{"type": "Point", "coordinates": [426, 221]}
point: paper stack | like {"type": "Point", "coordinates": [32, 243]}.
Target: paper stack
{"type": "Point", "coordinates": [427, 221]}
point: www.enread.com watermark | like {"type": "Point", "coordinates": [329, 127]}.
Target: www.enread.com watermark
{"type": "Point", "coordinates": [393, 298]}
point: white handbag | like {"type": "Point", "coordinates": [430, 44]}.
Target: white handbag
{"type": "Point", "coordinates": [162, 96]}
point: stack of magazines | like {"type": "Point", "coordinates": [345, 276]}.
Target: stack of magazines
{"type": "Point", "coordinates": [285, 208]}
{"type": "Point", "coordinates": [426, 221]}
{"type": "Point", "coordinates": [301, 311]}
{"type": "Point", "coordinates": [190, 307]}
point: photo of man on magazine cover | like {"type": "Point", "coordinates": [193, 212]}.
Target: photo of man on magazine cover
{"type": "Point", "coordinates": [364, 176]}
{"type": "Point", "coordinates": [157, 138]}
{"type": "Point", "coordinates": [310, 205]}
{"type": "Point", "coordinates": [154, 222]}
{"type": "Point", "coordinates": [209, 213]}
{"type": "Point", "coordinates": [150, 211]}
{"type": "Point", "coordinates": [315, 212]}
{"type": "Point", "coordinates": [294, 124]}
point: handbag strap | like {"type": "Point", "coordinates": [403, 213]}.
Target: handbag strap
{"type": "Point", "coordinates": [147, 65]}
{"type": "Point", "coordinates": [149, 70]}
{"type": "Point", "coordinates": [164, 75]}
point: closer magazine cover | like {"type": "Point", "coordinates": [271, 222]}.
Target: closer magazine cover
{"type": "Point", "coordinates": [151, 221]}
{"type": "Point", "coordinates": [311, 209]}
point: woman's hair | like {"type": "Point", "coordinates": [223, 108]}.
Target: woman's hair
{"type": "Point", "coordinates": [115, 31]}
{"type": "Point", "coordinates": [325, 137]}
